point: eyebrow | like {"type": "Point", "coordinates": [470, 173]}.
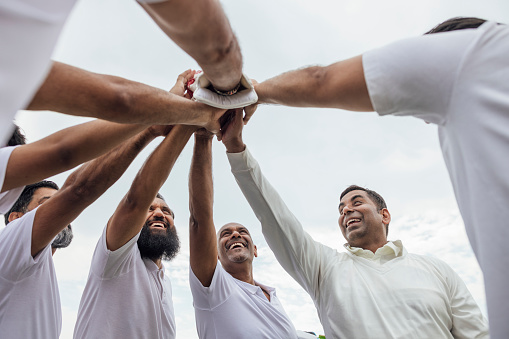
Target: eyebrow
{"type": "Point", "coordinates": [43, 199]}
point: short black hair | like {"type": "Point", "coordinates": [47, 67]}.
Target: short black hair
{"type": "Point", "coordinates": [457, 23]}
{"type": "Point", "coordinates": [26, 196]}
{"type": "Point", "coordinates": [17, 137]}
{"type": "Point", "coordinates": [374, 196]}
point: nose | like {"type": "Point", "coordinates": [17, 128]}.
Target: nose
{"type": "Point", "coordinates": [347, 209]}
{"type": "Point", "coordinates": [236, 234]}
{"type": "Point", "coordinates": [158, 212]}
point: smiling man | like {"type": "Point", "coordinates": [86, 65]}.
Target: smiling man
{"type": "Point", "coordinates": [128, 294]}
{"type": "Point", "coordinates": [374, 290]}
{"type": "Point", "coordinates": [226, 291]}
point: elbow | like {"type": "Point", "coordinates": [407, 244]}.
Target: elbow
{"type": "Point", "coordinates": [223, 50]}
{"type": "Point", "coordinates": [316, 78]}
{"type": "Point", "coordinates": [119, 103]}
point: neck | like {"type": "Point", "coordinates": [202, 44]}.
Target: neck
{"type": "Point", "coordinates": [373, 247]}
{"type": "Point", "coordinates": [242, 272]}
{"type": "Point", "coordinates": [158, 262]}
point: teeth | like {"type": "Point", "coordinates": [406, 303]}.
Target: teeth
{"type": "Point", "coordinates": [237, 244]}
{"type": "Point", "coordinates": [352, 220]}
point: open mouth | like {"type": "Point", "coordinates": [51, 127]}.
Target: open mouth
{"type": "Point", "coordinates": [236, 244]}
{"type": "Point", "coordinates": [159, 224]}
{"type": "Point", "coordinates": [352, 221]}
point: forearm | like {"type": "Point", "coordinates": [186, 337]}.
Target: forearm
{"type": "Point", "coordinates": [204, 32]}
{"type": "Point", "coordinates": [294, 249]}
{"type": "Point", "coordinates": [201, 194]}
{"type": "Point", "coordinates": [74, 91]}
{"type": "Point", "coordinates": [340, 85]}
{"type": "Point", "coordinates": [64, 150]}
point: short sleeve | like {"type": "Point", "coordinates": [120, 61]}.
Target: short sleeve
{"type": "Point", "coordinates": [8, 198]}
{"type": "Point", "coordinates": [417, 76]}
{"type": "Point", "coordinates": [110, 264]}
{"type": "Point", "coordinates": [16, 249]}
{"type": "Point", "coordinates": [208, 298]}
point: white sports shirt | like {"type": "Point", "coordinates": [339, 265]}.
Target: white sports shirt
{"type": "Point", "coordinates": [29, 297]}
{"type": "Point", "coordinates": [8, 198]}
{"type": "Point", "coordinates": [231, 308]}
{"type": "Point", "coordinates": [125, 297]}
{"type": "Point", "coordinates": [460, 81]}
{"type": "Point", "coordinates": [408, 296]}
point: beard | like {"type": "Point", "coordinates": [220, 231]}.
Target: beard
{"type": "Point", "coordinates": [158, 245]}
{"type": "Point", "coordinates": [63, 239]}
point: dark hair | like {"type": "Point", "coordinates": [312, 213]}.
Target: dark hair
{"type": "Point", "coordinates": [375, 197]}
{"type": "Point", "coordinates": [17, 137]}
{"type": "Point", "coordinates": [457, 23]}
{"type": "Point", "coordinates": [26, 196]}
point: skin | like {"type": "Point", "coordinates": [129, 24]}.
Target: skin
{"type": "Point", "coordinates": [59, 208]}
{"type": "Point", "coordinates": [204, 32]}
{"type": "Point", "coordinates": [205, 246]}
{"type": "Point", "coordinates": [361, 223]}
{"type": "Point", "coordinates": [340, 85]}
{"type": "Point", "coordinates": [74, 91]}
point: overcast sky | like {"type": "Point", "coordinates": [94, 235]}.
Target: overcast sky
{"type": "Point", "coordinates": [309, 155]}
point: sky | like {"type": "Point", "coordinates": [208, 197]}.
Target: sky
{"type": "Point", "coordinates": [309, 155]}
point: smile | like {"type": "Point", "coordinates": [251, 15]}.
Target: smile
{"type": "Point", "coordinates": [349, 222]}
{"type": "Point", "coordinates": [236, 244]}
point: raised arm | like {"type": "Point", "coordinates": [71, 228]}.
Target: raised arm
{"type": "Point", "coordinates": [74, 91]}
{"type": "Point", "coordinates": [340, 85]}
{"type": "Point", "coordinates": [64, 150]}
{"type": "Point", "coordinates": [202, 233]}
{"type": "Point", "coordinates": [82, 188]}
{"type": "Point", "coordinates": [203, 31]}
{"type": "Point", "coordinates": [131, 213]}
{"type": "Point", "coordinates": [294, 249]}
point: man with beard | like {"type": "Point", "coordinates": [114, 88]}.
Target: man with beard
{"type": "Point", "coordinates": [30, 301]}
{"type": "Point", "coordinates": [226, 291]}
{"type": "Point", "coordinates": [127, 294]}
{"type": "Point", "coordinates": [374, 290]}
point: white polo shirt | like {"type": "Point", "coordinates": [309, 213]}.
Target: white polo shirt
{"type": "Point", "coordinates": [231, 308]}
{"type": "Point", "coordinates": [391, 294]}
{"type": "Point", "coordinates": [29, 297]}
{"type": "Point", "coordinates": [459, 81]}
{"type": "Point", "coordinates": [125, 296]}
{"type": "Point", "coordinates": [8, 198]}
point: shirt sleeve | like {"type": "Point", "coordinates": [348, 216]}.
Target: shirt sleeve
{"type": "Point", "coordinates": [467, 319]}
{"type": "Point", "coordinates": [208, 298]}
{"type": "Point", "coordinates": [110, 264]}
{"type": "Point", "coordinates": [8, 198]}
{"type": "Point", "coordinates": [417, 76]}
{"type": "Point", "coordinates": [301, 256]}
{"type": "Point", "coordinates": [16, 249]}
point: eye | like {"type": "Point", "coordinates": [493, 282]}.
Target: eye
{"type": "Point", "coordinates": [341, 212]}
{"type": "Point", "coordinates": [165, 211]}
{"type": "Point", "coordinates": [357, 203]}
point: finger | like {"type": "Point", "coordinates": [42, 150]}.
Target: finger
{"type": "Point", "coordinates": [250, 110]}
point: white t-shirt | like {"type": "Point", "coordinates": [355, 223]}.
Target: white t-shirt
{"type": "Point", "coordinates": [29, 30]}
{"type": "Point", "coordinates": [231, 308]}
{"type": "Point", "coordinates": [459, 81]}
{"type": "Point", "coordinates": [125, 296]}
{"type": "Point", "coordinates": [29, 297]}
{"type": "Point", "coordinates": [386, 296]}
{"type": "Point", "coordinates": [8, 198]}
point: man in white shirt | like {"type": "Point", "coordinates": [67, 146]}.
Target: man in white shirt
{"type": "Point", "coordinates": [457, 80]}
{"type": "Point", "coordinates": [128, 294]}
{"type": "Point", "coordinates": [374, 290]}
{"type": "Point", "coordinates": [38, 224]}
{"type": "Point", "coordinates": [29, 31]}
{"type": "Point", "coordinates": [226, 291]}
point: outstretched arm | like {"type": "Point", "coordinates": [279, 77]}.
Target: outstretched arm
{"type": "Point", "coordinates": [131, 213]}
{"type": "Point", "coordinates": [202, 234]}
{"type": "Point", "coordinates": [203, 31]}
{"type": "Point", "coordinates": [74, 91]}
{"type": "Point", "coordinates": [83, 187]}
{"type": "Point", "coordinates": [340, 85]}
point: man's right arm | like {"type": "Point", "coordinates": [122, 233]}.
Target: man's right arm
{"type": "Point", "coordinates": [294, 249]}
{"type": "Point", "coordinates": [75, 91]}
{"type": "Point", "coordinates": [130, 215]}
{"type": "Point", "coordinates": [202, 235]}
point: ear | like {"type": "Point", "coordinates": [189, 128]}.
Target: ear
{"type": "Point", "coordinates": [255, 251]}
{"type": "Point", "coordinates": [386, 216]}
{"type": "Point", "coordinates": [15, 215]}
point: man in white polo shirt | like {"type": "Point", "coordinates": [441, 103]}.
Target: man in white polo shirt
{"type": "Point", "coordinates": [228, 302]}
{"type": "Point", "coordinates": [456, 79]}
{"type": "Point", "coordinates": [374, 290]}
{"type": "Point", "coordinates": [38, 224]}
{"type": "Point", "coordinates": [29, 31]}
{"type": "Point", "coordinates": [128, 294]}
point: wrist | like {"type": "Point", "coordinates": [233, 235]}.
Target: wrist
{"type": "Point", "coordinates": [235, 146]}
